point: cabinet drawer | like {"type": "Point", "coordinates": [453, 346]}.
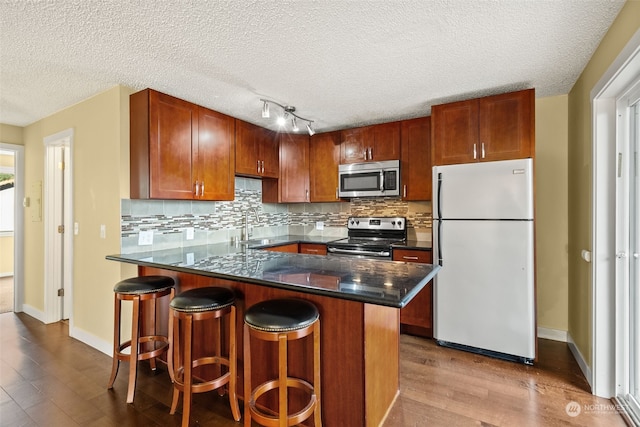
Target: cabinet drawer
{"type": "Point", "coordinates": [409, 255]}
{"type": "Point", "coordinates": [313, 249]}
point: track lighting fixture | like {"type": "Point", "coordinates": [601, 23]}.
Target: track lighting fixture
{"type": "Point", "coordinates": [287, 110]}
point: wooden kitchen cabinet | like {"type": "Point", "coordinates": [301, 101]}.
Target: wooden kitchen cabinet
{"type": "Point", "coordinates": [415, 143]}
{"type": "Point", "coordinates": [313, 249]}
{"type": "Point", "coordinates": [499, 127]}
{"type": "Point", "coordinates": [290, 248]}
{"type": "Point", "coordinates": [292, 185]}
{"type": "Point", "coordinates": [416, 318]}
{"type": "Point", "coordinates": [179, 150]}
{"type": "Point", "coordinates": [256, 151]}
{"type": "Point", "coordinates": [370, 143]}
{"type": "Point", "coordinates": [324, 158]}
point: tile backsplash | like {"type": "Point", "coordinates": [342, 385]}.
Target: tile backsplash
{"type": "Point", "coordinates": [215, 222]}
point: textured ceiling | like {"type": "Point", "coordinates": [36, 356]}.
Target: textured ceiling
{"type": "Point", "coordinates": [341, 63]}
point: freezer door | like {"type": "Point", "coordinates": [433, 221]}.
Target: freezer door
{"type": "Point", "coordinates": [486, 190]}
{"type": "Point", "coordinates": [484, 291]}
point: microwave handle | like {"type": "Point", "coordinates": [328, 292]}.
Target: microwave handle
{"type": "Point", "coordinates": [381, 181]}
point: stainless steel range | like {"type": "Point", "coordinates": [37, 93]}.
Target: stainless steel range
{"type": "Point", "coordinates": [370, 237]}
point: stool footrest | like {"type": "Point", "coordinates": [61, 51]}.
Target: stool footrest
{"type": "Point", "coordinates": [146, 354]}
{"type": "Point", "coordinates": [294, 418]}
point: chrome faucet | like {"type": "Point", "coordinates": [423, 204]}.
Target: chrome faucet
{"type": "Point", "coordinates": [247, 228]}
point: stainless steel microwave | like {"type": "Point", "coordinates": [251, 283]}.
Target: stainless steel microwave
{"type": "Point", "coordinates": [369, 179]}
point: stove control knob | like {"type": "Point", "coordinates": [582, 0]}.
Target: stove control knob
{"type": "Point", "coordinates": [352, 222]}
{"type": "Point", "coordinates": [357, 221]}
{"type": "Point", "coordinates": [399, 223]}
{"type": "Point", "coordinates": [393, 223]}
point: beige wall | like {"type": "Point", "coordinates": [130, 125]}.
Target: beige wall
{"type": "Point", "coordinates": [551, 212]}
{"type": "Point", "coordinates": [98, 132]}
{"type": "Point", "coordinates": [11, 134]}
{"type": "Point", "coordinates": [579, 168]}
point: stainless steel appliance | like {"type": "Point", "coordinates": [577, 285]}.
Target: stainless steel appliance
{"type": "Point", "coordinates": [370, 237]}
{"type": "Point", "coordinates": [484, 293]}
{"type": "Point", "coordinates": [369, 179]}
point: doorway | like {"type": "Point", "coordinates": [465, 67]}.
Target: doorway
{"type": "Point", "coordinates": [58, 229]}
{"type": "Point", "coordinates": [11, 227]}
{"type": "Point", "coordinates": [616, 238]}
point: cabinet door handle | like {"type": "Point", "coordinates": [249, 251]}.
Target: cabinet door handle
{"type": "Point", "coordinates": [307, 195]}
{"type": "Point", "coordinates": [370, 153]}
{"type": "Point", "coordinates": [258, 166]}
{"type": "Point", "coordinates": [195, 188]}
{"type": "Point", "coordinates": [365, 154]}
{"type": "Point", "coordinates": [202, 189]}
{"type": "Point", "coordinates": [475, 152]}
{"type": "Point", "coordinates": [262, 171]}
{"type": "Point", "coordinates": [404, 191]}
{"type": "Point", "coordinates": [312, 250]}
{"type": "Point", "coordinates": [483, 150]}
{"type": "Point", "coordinates": [414, 258]}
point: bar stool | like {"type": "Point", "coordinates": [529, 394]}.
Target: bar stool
{"type": "Point", "coordinates": [196, 305]}
{"type": "Point", "coordinates": [137, 290]}
{"type": "Point", "coordinates": [281, 321]}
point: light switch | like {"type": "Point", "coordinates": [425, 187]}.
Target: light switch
{"type": "Point", "coordinates": [145, 237]}
{"type": "Point", "coordinates": [319, 225]}
{"type": "Point", "coordinates": [76, 228]}
{"type": "Point", "coordinates": [190, 233]}
{"type": "Point", "coordinates": [103, 231]}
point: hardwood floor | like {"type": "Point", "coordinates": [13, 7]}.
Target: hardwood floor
{"type": "Point", "coordinates": [49, 379]}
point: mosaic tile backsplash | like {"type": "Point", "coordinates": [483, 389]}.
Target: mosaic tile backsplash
{"type": "Point", "coordinates": [216, 222]}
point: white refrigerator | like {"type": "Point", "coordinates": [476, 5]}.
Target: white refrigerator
{"type": "Point", "coordinates": [483, 238]}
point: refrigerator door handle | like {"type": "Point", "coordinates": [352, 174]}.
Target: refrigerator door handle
{"type": "Point", "coordinates": [438, 196]}
{"type": "Point", "coordinates": [440, 242]}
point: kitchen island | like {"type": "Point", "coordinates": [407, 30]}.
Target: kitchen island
{"type": "Point", "coordinates": [359, 302]}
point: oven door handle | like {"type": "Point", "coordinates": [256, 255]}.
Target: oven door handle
{"type": "Point", "coordinates": [358, 252]}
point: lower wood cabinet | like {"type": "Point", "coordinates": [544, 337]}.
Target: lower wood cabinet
{"type": "Point", "coordinates": [291, 248]}
{"type": "Point", "coordinates": [417, 317]}
{"type": "Point", "coordinates": [313, 248]}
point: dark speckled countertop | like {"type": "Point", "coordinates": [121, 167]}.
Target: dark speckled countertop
{"type": "Point", "coordinates": [378, 282]}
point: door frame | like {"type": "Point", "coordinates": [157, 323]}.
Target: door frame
{"type": "Point", "coordinates": [52, 261]}
{"type": "Point", "coordinates": [18, 223]}
{"type": "Point", "coordinates": [613, 83]}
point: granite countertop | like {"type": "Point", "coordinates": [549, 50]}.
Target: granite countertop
{"type": "Point", "coordinates": [386, 283]}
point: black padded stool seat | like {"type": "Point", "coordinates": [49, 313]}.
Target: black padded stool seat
{"type": "Point", "coordinates": [200, 304]}
{"type": "Point", "coordinates": [203, 299]}
{"type": "Point", "coordinates": [280, 315]}
{"type": "Point", "coordinates": [143, 285]}
{"type": "Point", "coordinates": [143, 289]}
{"type": "Point", "coordinates": [281, 321]}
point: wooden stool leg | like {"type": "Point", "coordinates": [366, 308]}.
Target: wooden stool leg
{"type": "Point", "coordinates": [116, 341]}
{"type": "Point", "coordinates": [283, 407]}
{"type": "Point", "coordinates": [188, 364]}
{"type": "Point", "coordinates": [317, 413]}
{"type": "Point", "coordinates": [133, 359]}
{"type": "Point", "coordinates": [152, 326]}
{"type": "Point", "coordinates": [233, 398]}
{"type": "Point", "coordinates": [247, 375]}
{"type": "Point", "coordinates": [173, 358]}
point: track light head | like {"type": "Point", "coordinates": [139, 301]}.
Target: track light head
{"type": "Point", "coordinates": [311, 131]}
{"type": "Point", "coordinates": [265, 110]}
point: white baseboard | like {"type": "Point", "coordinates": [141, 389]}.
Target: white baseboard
{"type": "Point", "coordinates": [582, 363]}
{"type": "Point", "coordinates": [552, 334]}
{"type": "Point", "coordinates": [33, 312]}
{"type": "Point", "coordinates": [91, 340]}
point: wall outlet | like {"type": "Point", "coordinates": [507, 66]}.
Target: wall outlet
{"type": "Point", "coordinates": [190, 233]}
{"type": "Point", "coordinates": [190, 258]}
{"type": "Point", "coordinates": [319, 225]}
{"type": "Point", "coordinates": [145, 237]}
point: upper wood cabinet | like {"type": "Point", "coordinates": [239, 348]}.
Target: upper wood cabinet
{"type": "Point", "coordinates": [179, 150]}
{"type": "Point", "coordinates": [415, 159]}
{"type": "Point", "coordinates": [293, 183]}
{"type": "Point", "coordinates": [499, 127]}
{"type": "Point", "coordinates": [370, 143]}
{"type": "Point", "coordinates": [324, 158]}
{"type": "Point", "coordinates": [256, 151]}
